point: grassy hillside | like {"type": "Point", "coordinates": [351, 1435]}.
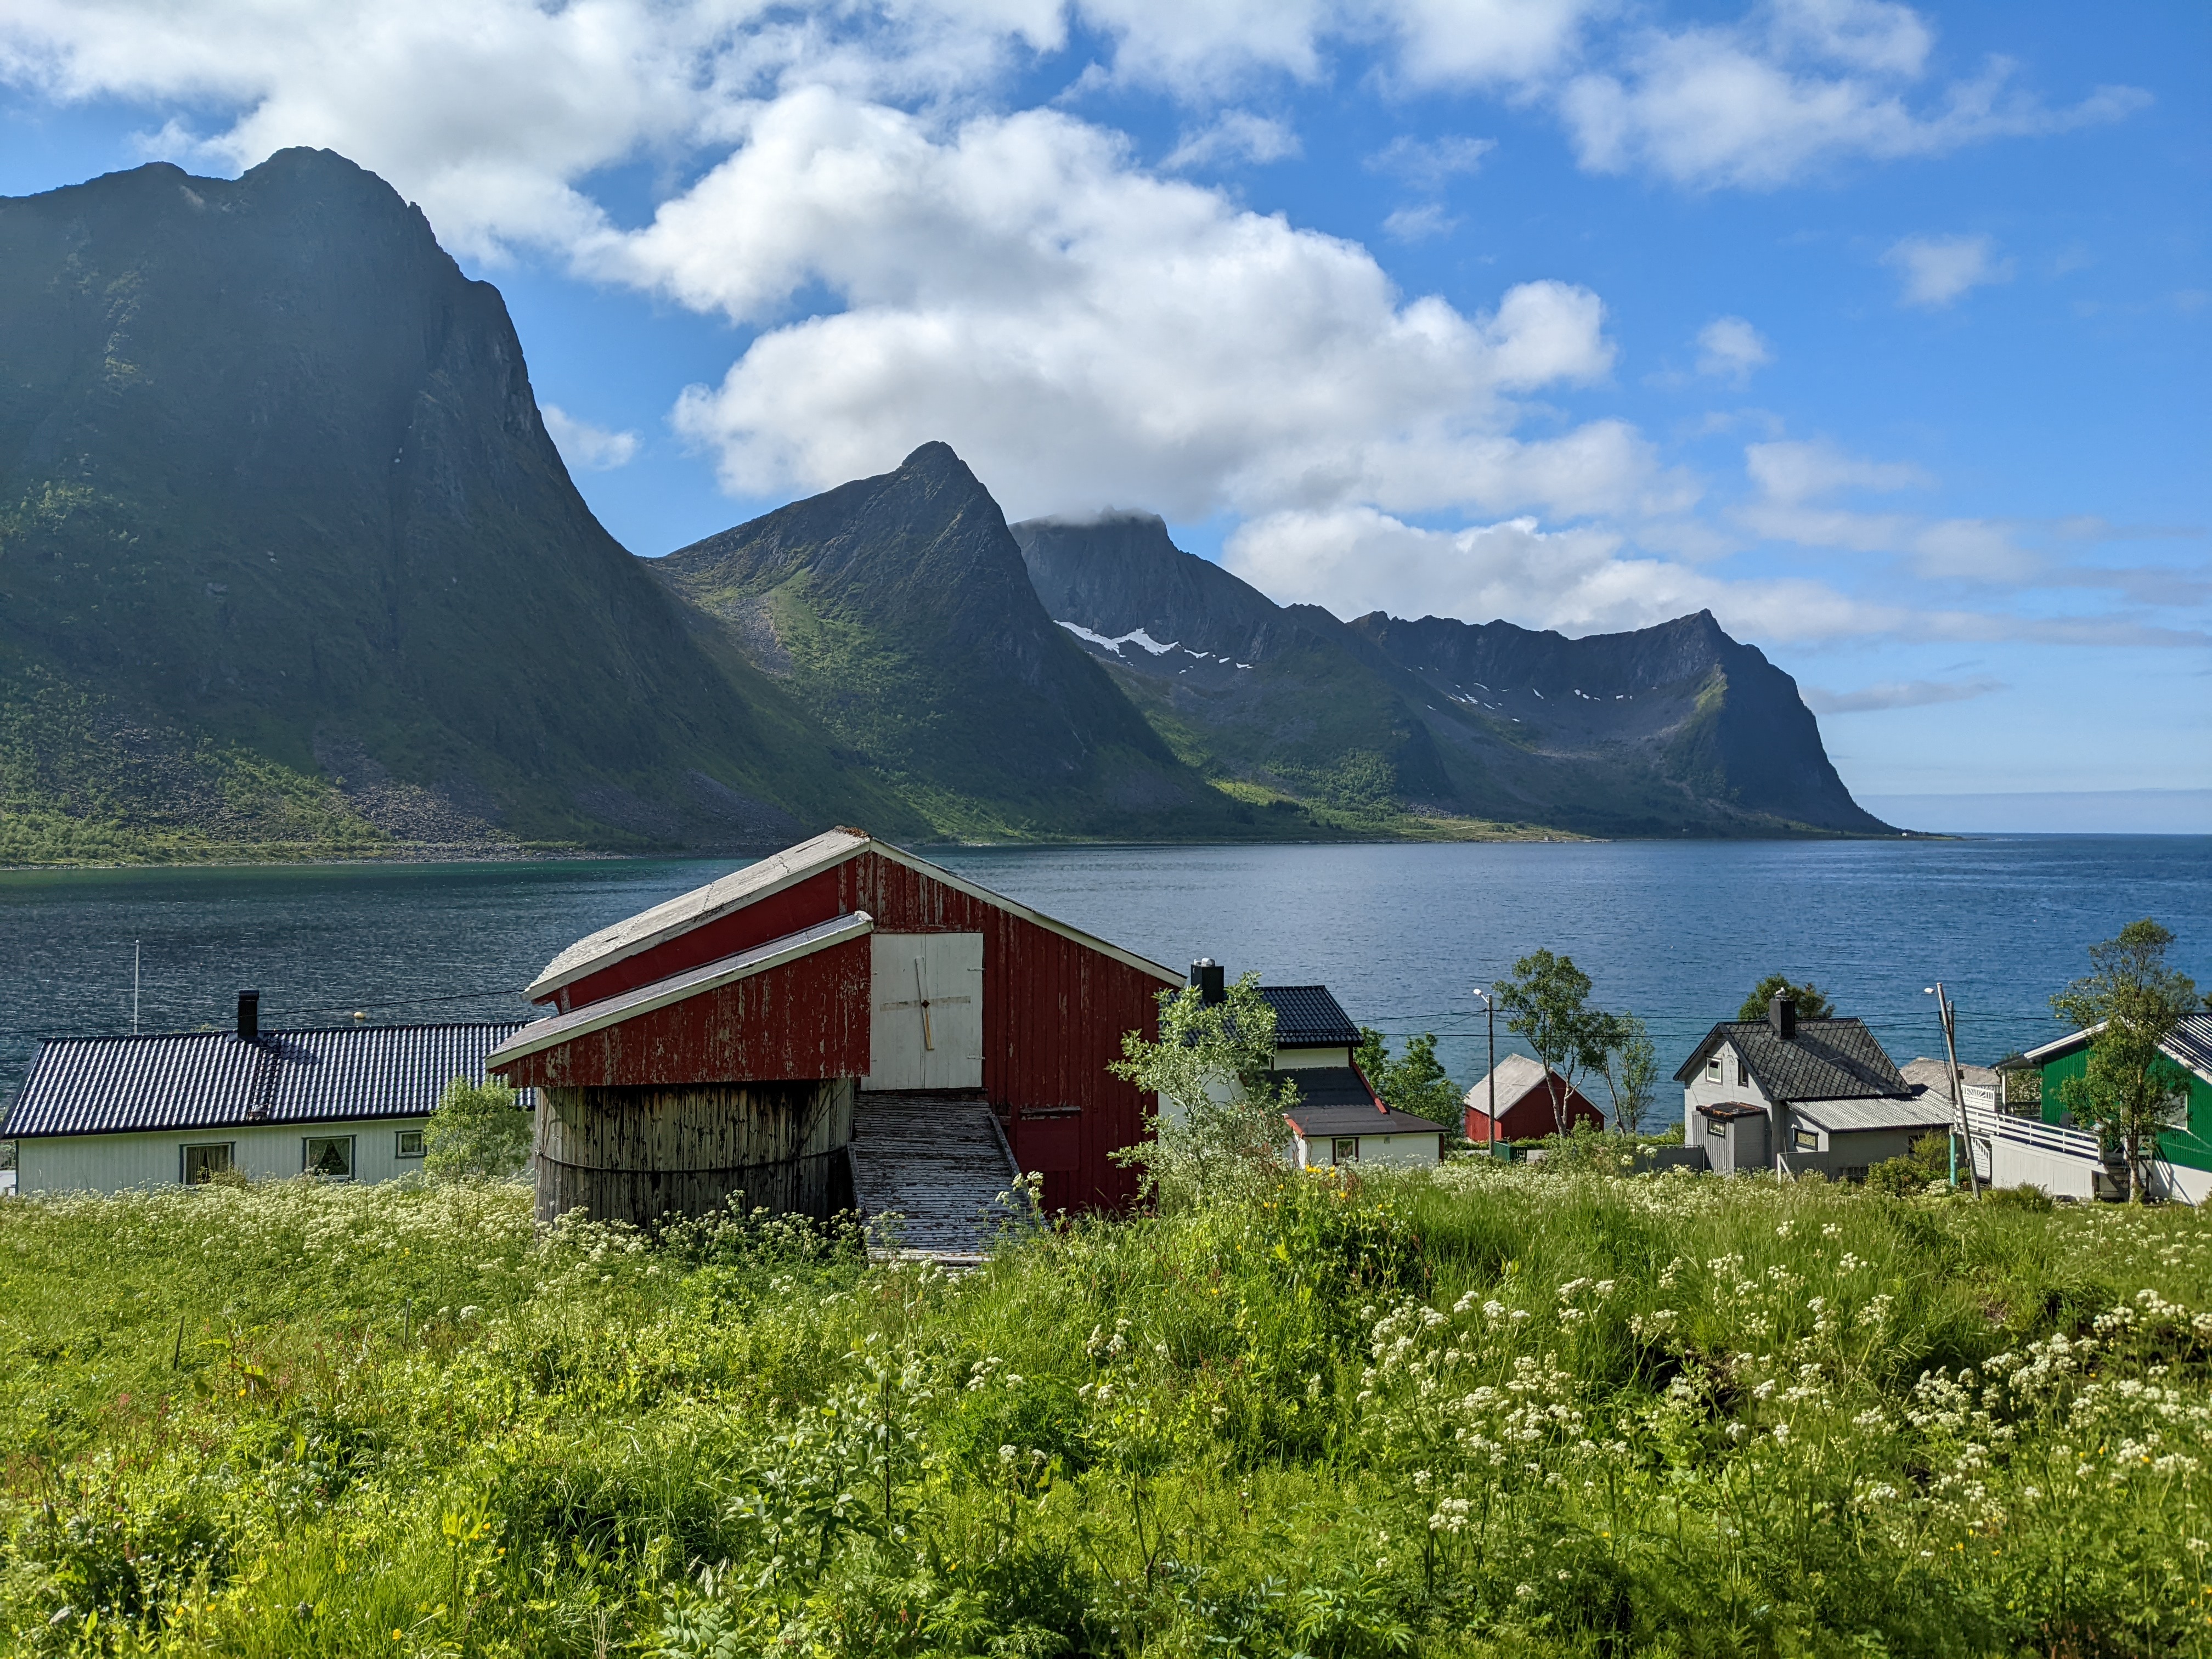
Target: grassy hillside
{"type": "Point", "coordinates": [1482, 1410]}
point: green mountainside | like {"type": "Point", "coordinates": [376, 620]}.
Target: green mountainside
{"type": "Point", "coordinates": [1439, 725]}
{"type": "Point", "coordinates": [290, 566]}
{"type": "Point", "coordinates": [898, 609]}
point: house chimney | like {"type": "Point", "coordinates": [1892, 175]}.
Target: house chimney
{"type": "Point", "coordinates": [1781, 1015]}
{"type": "Point", "coordinates": [249, 1015]}
{"type": "Point", "coordinates": [1206, 976]}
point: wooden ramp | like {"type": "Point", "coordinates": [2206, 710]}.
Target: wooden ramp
{"type": "Point", "coordinates": [938, 1161]}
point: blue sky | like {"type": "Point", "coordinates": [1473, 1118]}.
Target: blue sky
{"type": "Point", "coordinates": [1881, 331]}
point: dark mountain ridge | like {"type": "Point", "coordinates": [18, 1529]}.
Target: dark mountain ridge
{"type": "Point", "coordinates": [1673, 729]}
{"type": "Point", "coordinates": [290, 566]}
{"type": "Point", "coordinates": [278, 515]}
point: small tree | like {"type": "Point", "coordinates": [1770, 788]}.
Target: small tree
{"type": "Point", "coordinates": [1222, 1133]}
{"type": "Point", "coordinates": [479, 1130]}
{"type": "Point", "coordinates": [1632, 1070]}
{"type": "Point", "coordinates": [2128, 1090]}
{"type": "Point", "coordinates": [1811, 1004]}
{"type": "Point", "coordinates": [1546, 998]}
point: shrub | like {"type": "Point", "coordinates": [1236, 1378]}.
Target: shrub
{"type": "Point", "coordinates": [479, 1130]}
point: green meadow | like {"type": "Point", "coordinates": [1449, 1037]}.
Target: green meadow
{"type": "Point", "coordinates": [1485, 1410]}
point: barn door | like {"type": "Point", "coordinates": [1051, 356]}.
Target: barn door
{"type": "Point", "coordinates": [925, 1025]}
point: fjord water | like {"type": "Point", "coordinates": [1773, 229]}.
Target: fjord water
{"type": "Point", "coordinates": [1675, 932]}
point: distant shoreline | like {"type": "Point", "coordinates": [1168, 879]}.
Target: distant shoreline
{"type": "Point", "coordinates": [425, 857]}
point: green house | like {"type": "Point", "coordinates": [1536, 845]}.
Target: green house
{"type": "Point", "coordinates": [2184, 1160]}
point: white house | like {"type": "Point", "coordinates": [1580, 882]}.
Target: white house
{"type": "Point", "coordinates": [105, 1114]}
{"type": "Point", "coordinates": [1797, 1096]}
{"type": "Point", "coordinates": [1339, 1118]}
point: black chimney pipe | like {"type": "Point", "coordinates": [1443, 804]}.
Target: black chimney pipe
{"type": "Point", "coordinates": [249, 1015]}
{"type": "Point", "coordinates": [1206, 974]}
{"type": "Point", "coordinates": [1781, 1015]}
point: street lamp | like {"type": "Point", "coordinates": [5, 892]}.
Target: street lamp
{"type": "Point", "coordinates": [1946, 1012]}
{"type": "Point", "coordinates": [1490, 1132]}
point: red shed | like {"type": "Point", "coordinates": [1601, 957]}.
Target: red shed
{"type": "Point", "coordinates": [1525, 1103]}
{"type": "Point", "coordinates": [865, 984]}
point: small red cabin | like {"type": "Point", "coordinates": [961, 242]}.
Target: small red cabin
{"type": "Point", "coordinates": [744, 1036]}
{"type": "Point", "coordinates": [1526, 1109]}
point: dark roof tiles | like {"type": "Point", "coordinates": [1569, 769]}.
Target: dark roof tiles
{"type": "Point", "coordinates": [1309, 1017]}
{"type": "Point", "coordinates": [209, 1079]}
{"type": "Point", "coordinates": [1827, 1059]}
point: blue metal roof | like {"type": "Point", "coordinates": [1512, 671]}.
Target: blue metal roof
{"type": "Point", "coordinates": [1309, 1017]}
{"type": "Point", "coordinates": [210, 1080]}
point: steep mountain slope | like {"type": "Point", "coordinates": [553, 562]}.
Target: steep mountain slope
{"type": "Point", "coordinates": [1274, 697]}
{"type": "Point", "coordinates": [1668, 730]}
{"type": "Point", "coordinates": [1700, 710]}
{"type": "Point", "coordinates": [897, 608]}
{"type": "Point", "coordinates": [288, 561]}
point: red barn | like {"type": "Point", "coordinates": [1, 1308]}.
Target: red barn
{"type": "Point", "coordinates": [837, 1013]}
{"type": "Point", "coordinates": [1525, 1103]}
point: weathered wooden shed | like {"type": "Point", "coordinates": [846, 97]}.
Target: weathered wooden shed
{"type": "Point", "coordinates": [748, 1034]}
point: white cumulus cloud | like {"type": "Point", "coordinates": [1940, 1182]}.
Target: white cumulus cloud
{"type": "Point", "coordinates": [1084, 332]}
{"type": "Point", "coordinates": [1937, 270]}
{"type": "Point", "coordinates": [591, 448]}
{"type": "Point", "coordinates": [1730, 348]}
{"type": "Point", "coordinates": [1796, 86]}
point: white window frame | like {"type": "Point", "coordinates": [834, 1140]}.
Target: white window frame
{"type": "Point", "coordinates": [307, 1159]}
{"type": "Point", "coordinates": [399, 1139]}
{"type": "Point", "coordinates": [1336, 1146]}
{"type": "Point", "coordinates": [1713, 1070]}
{"type": "Point", "coordinates": [1804, 1139]}
{"type": "Point", "coordinates": [185, 1150]}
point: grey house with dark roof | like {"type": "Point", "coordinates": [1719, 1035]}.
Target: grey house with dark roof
{"type": "Point", "coordinates": [1800, 1097]}
{"type": "Point", "coordinates": [348, 1103]}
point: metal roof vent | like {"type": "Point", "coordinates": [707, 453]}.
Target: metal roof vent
{"type": "Point", "coordinates": [1206, 974]}
{"type": "Point", "coordinates": [1781, 1015]}
{"type": "Point", "coordinates": [249, 1015]}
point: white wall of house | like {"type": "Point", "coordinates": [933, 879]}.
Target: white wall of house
{"type": "Point", "coordinates": [1297, 1060]}
{"type": "Point", "coordinates": [1733, 1084]}
{"type": "Point", "coordinates": [1388, 1151]}
{"type": "Point", "coordinates": [110, 1163]}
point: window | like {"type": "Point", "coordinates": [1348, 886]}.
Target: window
{"type": "Point", "coordinates": [203, 1164]}
{"type": "Point", "coordinates": [1344, 1149]}
{"type": "Point", "coordinates": [1742, 1074]}
{"type": "Point", "coordinates": [1716, 1127]}
{"type": "Point", "coordinates": [408, 1143]}
{"type": "Point", "coordinates": [1713, 1069]}
{"type": "Point", "coordinates": [328, 1156]}
{"type": "Point", "coordinates": [1808, 1140]}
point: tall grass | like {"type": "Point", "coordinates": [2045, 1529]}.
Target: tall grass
{"type": "Point", "coordinates": [1483, 1410]}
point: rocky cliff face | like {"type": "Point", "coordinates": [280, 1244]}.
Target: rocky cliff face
{"type": "Point", "coordinates": [1664, 731]}
{"type": "Point", "coordinates": [275, 495]}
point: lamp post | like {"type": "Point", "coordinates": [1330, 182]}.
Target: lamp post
{"type": "Point", "coordinates": [1490, 1130]}
{"type": "Point", "coordinates": [1946, 1012]}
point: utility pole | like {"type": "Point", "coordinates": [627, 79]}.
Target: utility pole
{"type": "Point", "coordinates": [135, 947]}
{"type": "Point", "coordinates": [1945, 1010]}
{"type": "Point", "coordinates": [1490, 1130]}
